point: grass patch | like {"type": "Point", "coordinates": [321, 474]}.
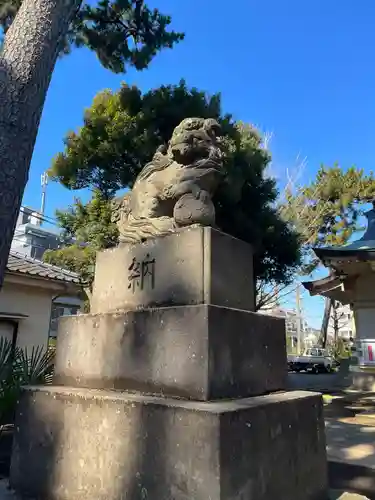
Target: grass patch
{"type": "Point", "coordinates": [327, 399]}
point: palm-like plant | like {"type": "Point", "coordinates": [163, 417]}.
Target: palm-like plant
{"type": "Point", "coordinates": [35, 367]}
{"type": "Point", "coordinates": [20, 367]}
{"type": "Point", "coordinates": [8, 380]}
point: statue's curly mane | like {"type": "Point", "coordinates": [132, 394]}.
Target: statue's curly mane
{"type": "Point", "coordinates": [158, 163]}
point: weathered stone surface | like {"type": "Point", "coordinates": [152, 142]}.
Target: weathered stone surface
{"type": "Point", "coordinates": [78, 444]}
{"type": "Point", "coordinates": [199, 352]}
{"type": "Point", "coordinates": [194, 266]}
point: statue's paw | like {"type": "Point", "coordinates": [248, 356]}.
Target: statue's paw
{"type": "Point", "coordinates": [189, 210]}
{"type": "Point", "coordinates": [204, 197]}
{"type": "Point", "coordinates": [196, 193]}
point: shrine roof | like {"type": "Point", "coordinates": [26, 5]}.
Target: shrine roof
{"type": "Point", "coordinates": [323, 285]}
{"type": "Point", "coordinates": [333, 286]}
{"type": "Point", "coordinates": [363, 249]}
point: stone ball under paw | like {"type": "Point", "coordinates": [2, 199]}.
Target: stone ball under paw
{"type": "Point", "coordinates": [189, 210]}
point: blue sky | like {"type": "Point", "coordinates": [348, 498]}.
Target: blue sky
{"type": "Point", "coordinates": [303, 70]}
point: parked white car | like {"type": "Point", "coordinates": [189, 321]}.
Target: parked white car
{"type": "Point", "coordinates": [314, 359]}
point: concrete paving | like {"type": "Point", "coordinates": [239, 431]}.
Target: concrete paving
{"type": "Point", "coordinates": [350, 431]}
{"type": "Point", "coordinates": [6, 494]}
{"type": "Point", "coordinates": [351, 442]}
{"type": "Point", "coordinates": [350, 427]}
{"type": "Point", "coordinates": [346, 496]}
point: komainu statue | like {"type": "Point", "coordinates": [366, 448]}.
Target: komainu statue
{"type": "Point", "coordinates": [175, 189]}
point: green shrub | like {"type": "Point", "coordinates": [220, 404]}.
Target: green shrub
{"type": "Point", "coordinates": [19, 367]}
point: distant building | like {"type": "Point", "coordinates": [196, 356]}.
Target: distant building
{"type": "Point", "coordinates": [30, 238]}
{"type": "Point", "coordinates": [341, 318]}
{"type": "Point", "coordinates": [33, 291]}
{"type": "Point", "coordinates": [291, 319]}
{"type": "Point", "coordinates": [62, 306]}
{"type": "Point", "coordinates": [311, 337]}
{"type": "Point", "coordinates": [291, 323]}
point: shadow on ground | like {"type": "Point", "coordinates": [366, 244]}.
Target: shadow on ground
{"type": "Point", "coordinates": [351, 478]}
{"type": "Point", "coordinates": [350, 431]}
{"type": "Point", "coordinates": [321, 382]}
{"type": "Point", "coordinates": [350, 441]}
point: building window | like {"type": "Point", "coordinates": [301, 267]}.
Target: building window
{"type": "Point", "coordinates": [57, 311]}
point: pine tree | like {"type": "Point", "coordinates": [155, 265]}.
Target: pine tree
{"type": "Point", "coordinates": [36, 32]}
{"type": "Point", "coordinates": [326, 212]}
{"type": "Point", "coordinates": [120, 32]}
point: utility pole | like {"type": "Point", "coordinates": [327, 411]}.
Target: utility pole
{"type": "Point", "coordinates": [44, 182]}
{"type": "Point", "coordinates": [277, 293]}
{"type": "Point", "coordinates": [298, 317]}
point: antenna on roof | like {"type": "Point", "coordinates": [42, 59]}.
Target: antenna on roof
{"type": "Point", "coordinates": [44, 182]}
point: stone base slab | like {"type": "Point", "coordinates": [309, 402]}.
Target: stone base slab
{"type": "Point", "coordinates": [197, 265]}
{"type": "Point", "coordinates": [197, 352]}
{"type": "Point", "coordinates": [362, 379]}
{"type": "Point", "coordinates": [78, 444]}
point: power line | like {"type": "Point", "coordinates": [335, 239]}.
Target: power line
{"type": "Point", "coordinates": [35, 245]}
{"type": "Point", "coordinates": [44, 218]}
{"type": "Point", "coordinates": [37, 215]}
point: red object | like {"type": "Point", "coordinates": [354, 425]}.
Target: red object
{"type": "Point", "coordinates": [370, 353]}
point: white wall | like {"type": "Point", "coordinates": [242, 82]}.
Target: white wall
{"type": "Point", "coordinates": [364, 306]}
{"type": "Point", "coordinates": [365, 322]}
{"type": "Point", "coordinates": [36, 304]}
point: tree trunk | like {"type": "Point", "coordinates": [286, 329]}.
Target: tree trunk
{"type": "Point", "coordinates": [325, 322]}
{"type": "Point", "coordinates": [335, 320]}
{"type": "Point", "coordinates": [27, 61]}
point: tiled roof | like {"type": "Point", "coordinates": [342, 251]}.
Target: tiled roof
{"type": "Point", "coordinates": [18, 263]}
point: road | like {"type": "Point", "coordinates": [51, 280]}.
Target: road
{"type": "Point", "coordinates": [324, 382]}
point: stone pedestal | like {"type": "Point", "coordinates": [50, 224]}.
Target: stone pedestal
{"type": "Point", "coordinates": [194, 266]}
{"type": "Point", "coordinates": [362, 379]}
{"type": "Point", "coordinates": [193, 413]}
{"type": "Point", "coordinates": [199, 352]}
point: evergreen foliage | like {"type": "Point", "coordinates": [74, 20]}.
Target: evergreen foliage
{"type": "Point", "coordinates": [120, 32]}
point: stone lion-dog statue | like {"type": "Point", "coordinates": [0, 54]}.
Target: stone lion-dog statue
{"type": "Point", "coordinates": [175, 189]}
